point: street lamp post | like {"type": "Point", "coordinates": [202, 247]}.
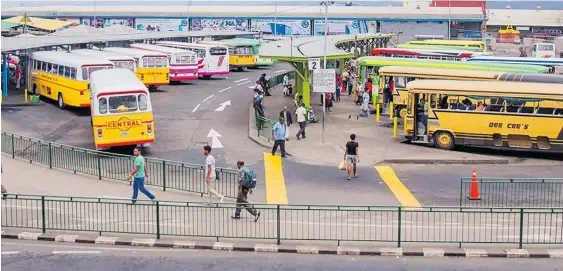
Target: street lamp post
{"type": "Point", "coordinates": [275, 18]}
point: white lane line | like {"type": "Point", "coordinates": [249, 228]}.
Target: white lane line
{"type": "Point", "coordinates": [76, 252]}
{"type": "Point", "coordinates": [225, 89]}
{"type": "Point", "coordinates": [243, 83]}
{"type": "Point", "coordinates": [279, 71]}
{"type": "Point", "coordinates": [10, 252]}
{"type": "Point", "coordinates": [195, 109]}
{"type": "Point", "coordinates": [251, 87]}
{"type": "Point", "coordinates": [208, 97]}
{"type": "Point", "coordinates": [97, 247]}
{"type": "Point", "coordinates": [243, 79]}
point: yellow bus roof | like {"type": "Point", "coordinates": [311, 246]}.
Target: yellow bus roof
{"type": "Point", "coordinates": [488, 88]}
{"type": "Point", "coordinates": [423, 72]}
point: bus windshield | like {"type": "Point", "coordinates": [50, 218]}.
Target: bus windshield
{"type": "Point", "coordinates": [217, 51]}
{"type": "Point", "coordinates": [153, 61]}
{"type": "Point", "coordinates": [129, 65]}
{"type": "Point", "coordinates": [120, 104]}
{"type": "Point", "coordinates": [86, 71]}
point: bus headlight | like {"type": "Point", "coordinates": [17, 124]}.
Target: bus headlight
{"type": "Point", "coordinates": [99, 132]}
{"type": "Point", "coordinates": [149, 128]}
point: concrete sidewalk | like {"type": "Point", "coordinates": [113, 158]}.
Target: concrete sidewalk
{"type": "Point", "coordinates": [376, 141]}
{"type": "Point", "coordinates": [21, 177]}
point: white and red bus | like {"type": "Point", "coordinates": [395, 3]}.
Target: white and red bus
{"type": "Point", "coordinates": [214, 58]}
{"type": "Point", "coordinates": [426, 54]}
{"type": "Point", "coordinates": [183, 63]}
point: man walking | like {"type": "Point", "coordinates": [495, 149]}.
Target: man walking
{"type": "Point", "coordinates": [211, 175]}
{"type": "Point", "coordinates": [140, 173]}
{"type": "Point", "coordinates": [301, 113]}
{"type": "Point", "coordinates": [352, 156]}
{"type": "Point", "coordinates": [288, 121]}
{"type": "Point", "coordinates": [278, 134]}
{"type": "Point", "coordinates": [243, 189]}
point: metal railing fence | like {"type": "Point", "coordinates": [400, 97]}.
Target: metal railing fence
{"type": "Point", "coordinates": [163, 173]}
{"type": "Point", "coordinates": [514, 192]}
{"type": "Point", "coordinates": [389, 224]}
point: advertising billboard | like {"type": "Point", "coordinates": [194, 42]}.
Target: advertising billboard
{"type": "Point", "coordinates": [282, 27]}
{"type": "Point", "coordinates": [341, 27]}
{"type": "Point", "coordinates": [220, 24]}
{"type": "Point", "coordinates": [161, 25]}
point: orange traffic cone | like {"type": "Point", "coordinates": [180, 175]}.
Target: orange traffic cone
{"type": "Point", "coordinates": [474, 189]}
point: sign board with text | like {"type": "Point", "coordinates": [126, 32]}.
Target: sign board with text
{"type": "Point", "coordinates": [324, 80]}
{"type": "Point", "coordinates": [314, 63]}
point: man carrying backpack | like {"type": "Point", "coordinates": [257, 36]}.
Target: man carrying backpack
{"type": "Point", "coordinates": [247, 182]}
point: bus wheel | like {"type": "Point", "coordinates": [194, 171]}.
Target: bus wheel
{"type": "Point", "coordinates": [240, 69]}
{"type": "Point", "coordinates": [444, 140]}
{"type": "Point", "coordinates": [206, 77]}
{"type": "Point", "coordinates": [402, 112]}
{"type": "Point", "coordinates": [61, 101]}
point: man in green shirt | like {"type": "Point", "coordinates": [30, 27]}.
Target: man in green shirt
{"type": "Point", "coordinates": [140, 173]}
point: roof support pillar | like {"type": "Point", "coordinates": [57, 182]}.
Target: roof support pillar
{"type": "Point", "coordinates": [5, 75]}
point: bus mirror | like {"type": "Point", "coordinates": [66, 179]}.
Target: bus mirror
{"type": "Point", "coordinates": [88, 86]}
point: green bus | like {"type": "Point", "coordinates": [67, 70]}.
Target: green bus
{"type": "Point", "coordinates": [369, 64]}
{"type": "Point", "coordinates": [255, 50]}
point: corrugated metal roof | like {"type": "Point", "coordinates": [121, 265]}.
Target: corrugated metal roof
{"type": "Point", "coordinates": [44, 24]}
{"type": "Point", "coordinates": [20, 43]}
{"type": "Point", "coordinates": [301, 48]}
{"type": "Point", "coordinates": [313, 11]}
{"type": "Point", "coordinates": [504, 17]}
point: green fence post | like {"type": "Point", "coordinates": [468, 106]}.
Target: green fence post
{"type": "Point", "coordinates": [399, 225]}
{"type": "Point", "coordinates": [163, 175]}
{"type": "Point", "coordinates": [157, 220]}
{"type": "Point", "coordinates": [43, 226]}
{"type": "Point", "coordinates": [13, 147]}
{"type": "Point", "coordinates": [99, 166]}
{"type": "Point", "coordinates": [50, 157]}
{"type": "Point", "coordinates": [278, 225]}
{"type": "Point", "coordinates": [521, 227]}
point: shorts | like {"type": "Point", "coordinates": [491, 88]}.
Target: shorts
{"type": "Point", "coordinates": [351, 159]}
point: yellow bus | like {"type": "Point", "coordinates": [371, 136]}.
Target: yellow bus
{"type": "Point", "coordinates": [121, 110]}
{"type": "Point", "coordinates": [63, 77]}
{"type": "Point", "coordinates": [120, 61]}
{"type": "Point", "coordinates": [508, 115]}
{"type": "Point", "coordinates": [402, 75]}
{"type": "Point", "coordinates": [153, 68]}
{"type": "Point", "coordinates": [241, 53]}
{"type": "Point", "coordinates": [480, 45]}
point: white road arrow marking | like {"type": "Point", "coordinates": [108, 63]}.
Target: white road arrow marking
{"type": "Point", "coordinates": [223, 105]}
{"type": "Point", "coordinates": [215, 143]}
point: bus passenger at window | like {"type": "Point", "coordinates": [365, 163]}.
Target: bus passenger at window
{"type": "Point", "coordinates": [444, 102]}
{"type": "Point", "coordinates": [480, 106]}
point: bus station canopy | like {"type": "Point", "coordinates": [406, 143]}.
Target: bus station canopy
{"type": "Point", "coordinates": [20, 43]}
{"type": "Point", "coordinates": [6, 25]}
{"type": "Point", "coordinates": [39, 23]}
{"type": "Point", "coordinates": [299, 49]}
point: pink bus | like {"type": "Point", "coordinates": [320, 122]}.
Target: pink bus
{"type": "Point", "coordinates": [183, 63]}
{"type": "Point", "coordinates": [213, 59]}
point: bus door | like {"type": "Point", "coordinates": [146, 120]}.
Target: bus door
{"type": "Point", "coordinates": [420, 115]}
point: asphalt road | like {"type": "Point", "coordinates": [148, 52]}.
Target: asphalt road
{"type": "Point", "coordinates": [30, 255]}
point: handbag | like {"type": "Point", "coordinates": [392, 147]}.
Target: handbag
{"type": "Point", "coordinates": [342, 165]}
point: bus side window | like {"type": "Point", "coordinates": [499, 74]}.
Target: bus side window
{"type": "Point", "coordinates": [61, 70]}
{"type": "Point", "coordinates": [73, 73]}
{"type": "Point", "coordinates": [48, 67]}
{"type": "Point", "coordinates": [433, 102]}
{"type": "Point", "coordinates": [142, 102]}
{"type": "Point", "coordinates": [103, 105]}
{"type": "Point", "coordinates": [67, 72]}
{"type": "Point", "coordinates": [84, 73]}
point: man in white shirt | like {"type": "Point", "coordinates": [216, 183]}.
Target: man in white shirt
{"type": "Point", "coordinates": [301, 113]}
{"type": "Point", "coordinates": [211, 175]}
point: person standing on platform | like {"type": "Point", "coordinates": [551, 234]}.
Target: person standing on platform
{"type": "Point", "coordinates": [139, 173]}
{"type": "Point", "coordinates": [286, 115]}
{"type": "Point", "coordinates": [278, 134]}
{"type": "Point", "coordinates": [301, 114]}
